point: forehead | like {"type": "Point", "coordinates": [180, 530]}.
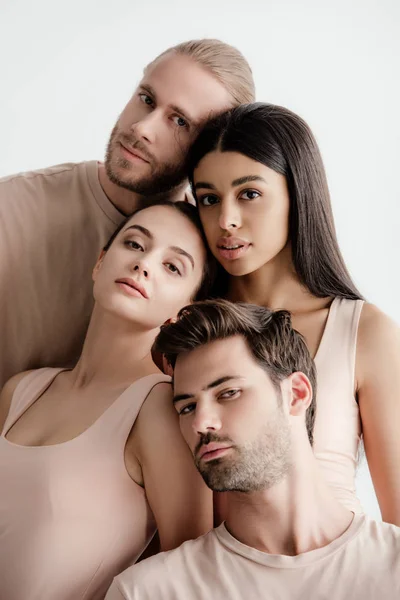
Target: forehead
{"type": "Point", "coordinates": [169, 227]}
{"type": "Point", "coordinates": [225, 167]}
{"type": "Point", "coordinates": [179, 80]}
{"type": "Point", "coordinates": [230, 356]}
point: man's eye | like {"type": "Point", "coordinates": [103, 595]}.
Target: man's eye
{"type": "Point", "coordinates": [208, 200]}
{"type": "Point", "coordinates": [186, 410]}
{"type": "Point", "coordinates": [180, 121]}
{"type": "Point", "coordinates": [134, 245]}
{"type": "Point", "coordinates": [146, 99]}
{"type": "Point", "coordinates": [230, 393]}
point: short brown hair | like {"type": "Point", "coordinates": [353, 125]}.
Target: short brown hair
{"type": "Point", "coordinates": [278, 348]}
{"type": "Point", "coordinates": [225, 62]}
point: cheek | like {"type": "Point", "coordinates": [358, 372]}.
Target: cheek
{"type": "Point", "coordinates": [133, 113]}
{"type": "Point", "coordinates": [178, 304]}
{"type": "Point", "coordinates": [175, 145]}
{"type": "Point", "coordinates": [185, 425]}
{"type": "Point", "coordinates": [169, 299]}
{"type": "Point", "coordinates": [209, 220]}
{"type": "Point", "coordinates": [241, 419]}
{"type": "Point", "coordinates": [100, 287]}
{"type": "Point", "coordinates": [270, 225]}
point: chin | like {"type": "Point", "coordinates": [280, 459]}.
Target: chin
{"type": "Point", "coordinates": [237, 269]}
{"type": "Point", "coordinates": [123, 177]}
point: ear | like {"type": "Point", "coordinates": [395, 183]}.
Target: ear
{"type": "Point", "coordinates": [171, 320]}
{"type": "Point", "coordinates": [167, 369]}
{"type": "Point", "coordinates": [301, 393]}
{"type": "Point", "coordinates": [98, 265]}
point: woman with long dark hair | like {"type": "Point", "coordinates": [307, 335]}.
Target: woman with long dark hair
{"type": "Point", "coordinates": [262, 194]}
{"type": "Point", "coordinates": [91, 458]}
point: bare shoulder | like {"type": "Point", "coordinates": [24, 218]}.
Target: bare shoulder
{"type": "Point", "coordinates": [376, 326]}
{"type": "Point", "coordinates": [160, 397]}
{"type": "Point", "coordinates": [156, 413]}
{"type": "Point", "coordinates": [7, 393]}
{"type": "Point", "coordinates": [10, 386]}
{"type": "Point", "coordinates": [378, 344]}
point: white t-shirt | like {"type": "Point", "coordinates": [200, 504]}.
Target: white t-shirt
{"type": "Point", "coordinates": [362, 564]}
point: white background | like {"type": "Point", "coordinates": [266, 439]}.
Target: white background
{"type": "Point", "coordinates": [68, 68]}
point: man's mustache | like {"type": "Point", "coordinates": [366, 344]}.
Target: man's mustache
{"type": "Point", "coordinates": [132, 142]}
{"type": "Point", "coordinates": [208, 438]}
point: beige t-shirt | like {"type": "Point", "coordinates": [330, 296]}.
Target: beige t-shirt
{"type": "Point", "coordinates": [53, 224]}
{"type": "Point", "coordinates": [362, 564]}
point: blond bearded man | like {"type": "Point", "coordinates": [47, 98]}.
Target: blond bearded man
{"type": "Point", "coordinates": [53, 222]}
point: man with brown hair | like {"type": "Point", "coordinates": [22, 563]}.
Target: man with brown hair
{"type": "Point", "coordinates": [243, 389]}
{"type": "Point", "coordinates": [53, 222]}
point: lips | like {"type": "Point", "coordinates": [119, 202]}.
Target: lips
{"type": "Point", "coordinates": [212, 450]}
{"type": "Point", "coordinates": [134, 285]}
{"type": "Point", "coordinates": [133, 151]}
{"type": "Point", "coordinates": [232, 248]}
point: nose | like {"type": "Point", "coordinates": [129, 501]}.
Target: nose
{"type": "Point", "coordinates": [229, 216]}
{"type": "Point", "coordinates": [146, 128]}
{"type": "Point", "coordinates": [206, 419]}
{"type": "Point", "coordinates": [141, 267]}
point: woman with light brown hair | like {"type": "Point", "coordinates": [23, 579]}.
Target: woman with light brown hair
{"type": "Point", "coordinates": [91, 458]}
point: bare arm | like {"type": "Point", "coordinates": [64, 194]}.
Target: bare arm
{"type": "Point", "coordinates": [378, 383]}
{"type": "Point", "coordinates": [6, 396]}
{"type": "Point", "coordinates": [181, 502]}
{"type": "Point", "coordinates": [114, 592]}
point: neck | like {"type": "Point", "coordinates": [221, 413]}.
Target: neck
{"type": "Point", "coordinates": [114, 352]}
{"type": "Point", "coordinates": [275, 285]}
{"type": "Point", "coordinates": [126, 201]}
{"type": "Point", "coordinates": [297, 515]}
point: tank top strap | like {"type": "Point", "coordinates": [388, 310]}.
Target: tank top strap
{"type": "Point", "coordinates": [117, 421]}
{"type": "Point", "coordinates": [27, 391]}
{"type": "Point", "coordinates": [339, 341]}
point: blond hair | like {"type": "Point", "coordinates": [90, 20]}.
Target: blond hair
{"type": "Point", "coordinates": [224, 62]}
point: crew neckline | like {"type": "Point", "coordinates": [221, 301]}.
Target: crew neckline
{"type": "Point", "coordinates": [92, 172]}
{"type": "Point", "coordinates": [281, 561]}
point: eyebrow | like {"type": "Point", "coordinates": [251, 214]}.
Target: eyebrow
{"type": "Point", "coordinates": [183, 253]}
{"type": "Point", "coordinates": [209, 386]}
{"type": "Point", "coordinates": [150, 236]}
{"type": "Point", "coordinates": [142, 229]}
{"type": "Point", "coordinates": [235, 182]}
{"type": "Point", "coordinates": [174, 107]}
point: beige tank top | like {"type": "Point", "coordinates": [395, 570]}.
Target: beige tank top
{"type": "Point", "coordinates": [71, 518]}
{"type": "Point", "coordinates": [337, 432]}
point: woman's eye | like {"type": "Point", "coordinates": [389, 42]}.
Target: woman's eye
{"type": "Point", "coordinates": [208, 200]}
{"type": "Point", "coordinates": [173, 268]}
{"type": "Point", "coordinates": [134, 245]}
{"type": "Point", "coordinates": [186, 410]}
{"type": "Point", "coordinates": [180, 121]}
{"type": "Point", "coordinates": [146, 99]}
{"type": "Point", "coordinates": [250, 195]}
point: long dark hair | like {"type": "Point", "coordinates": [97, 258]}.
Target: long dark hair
{"type": "Point", "coordinates": [281, 140]}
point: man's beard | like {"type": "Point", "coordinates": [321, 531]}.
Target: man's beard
{"type": "Point", "coordinates": [252, 467]}
{"type": "Point", "coordinates": [162, 178]}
